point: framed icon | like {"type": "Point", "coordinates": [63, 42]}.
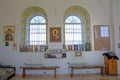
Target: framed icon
{"type": "Point", "coordinates": [55, 34]}
{"type": "Point", "coordinates": [9, 33]}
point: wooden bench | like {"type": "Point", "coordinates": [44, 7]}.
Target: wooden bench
{"type": "Point", "coordinates": [101, 67]}
{"type": "Point", "coordinates": [24, 68]}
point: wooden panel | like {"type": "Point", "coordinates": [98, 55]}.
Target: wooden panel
{"type": "Point", "coordinates": [111, 66]}
{"type": "Point", "coordinates": [100, 43]}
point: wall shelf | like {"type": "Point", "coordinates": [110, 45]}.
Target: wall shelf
{"type": "Point", "coordinates": [55, 55]}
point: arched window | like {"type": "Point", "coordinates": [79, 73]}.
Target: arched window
{"type": "Point", "coordinates": [36, 30]}
{"type": "Point", "coordinates": [74, 30]}
{"type": "Point", "coordinates": [77, 29]}
{"type": "Point", "coordinates": [33, 26]}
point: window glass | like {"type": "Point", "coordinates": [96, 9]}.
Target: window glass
{"type": "Point", "coordinates": [73, 31]}
{"type": "Point", "coordinates": [38, 19]}
{"type": "Point", "coordinates": [104, 31]}
{"type": "Point", "coordinates": [73, 19]}
{"type": "Point", "coordinates": [36, 31]}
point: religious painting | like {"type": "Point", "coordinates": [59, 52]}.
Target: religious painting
{"type": "Point", "coordinates": [9, 33]}
{"type": "Point", "coordinates": [70, 47]}
{"type": "Point", "coordinates": [78, 54]}
{"type": "Point", "coordinates": [22, 48]}
{"type": "Point", "coordinates": [15, 46]}
{"type": "Point", "coordinates": [55, 34]}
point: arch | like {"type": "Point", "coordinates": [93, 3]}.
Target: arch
{"type": "Point", "coordinates": [85, 15]}
{"type": "Point", "coordinates": [24, 17]}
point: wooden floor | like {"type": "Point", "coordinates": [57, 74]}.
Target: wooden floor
{"type": "Point", "coordinates": [67, 77]}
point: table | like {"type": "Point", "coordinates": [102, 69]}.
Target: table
{"type": "Point", "coordinates": [24, 68]}
{"type": "Point", "coordinates": [73, 67]}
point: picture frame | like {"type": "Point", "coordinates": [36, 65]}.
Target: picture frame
{"type": "Point", "coordinates": [70, 47]}
{"type": "Point", "coordinates": [22, 48]}
{"type": "Point", "coordinates": [6, 43]}
{"type": "Point", "coordinates": [119, 33]}
{"type": "Point", "coordinates": [15, 46]}
{"type": "Point", "coordinates": [9, 33]}
{"type": "Point", "coordinates": [118, 45]}
{"type": "Point", "coordinates": [55, 34]}
{"type": "Point", "coordinates": [78, 54]}
{"type": "Point", "coordinates": [75, 47]}
{"type": "Point", "coordinates": [88, 47]}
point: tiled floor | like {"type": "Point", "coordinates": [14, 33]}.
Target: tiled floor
{"type": "Point", "coordinates": [66, 77]}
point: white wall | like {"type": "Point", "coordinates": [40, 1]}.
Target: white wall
{"type": "Point", "coordinates": [10, 14]}
{"type": "Point", "coordinates": [116, 15]}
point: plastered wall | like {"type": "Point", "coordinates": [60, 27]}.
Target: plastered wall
{"type": "Point", "coordinates": [100, 14]}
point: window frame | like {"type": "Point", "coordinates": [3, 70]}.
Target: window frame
{"type": "Point", "coordinates": [28, 25]}
{"type": "Point", "coordinates": [82, 26]}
